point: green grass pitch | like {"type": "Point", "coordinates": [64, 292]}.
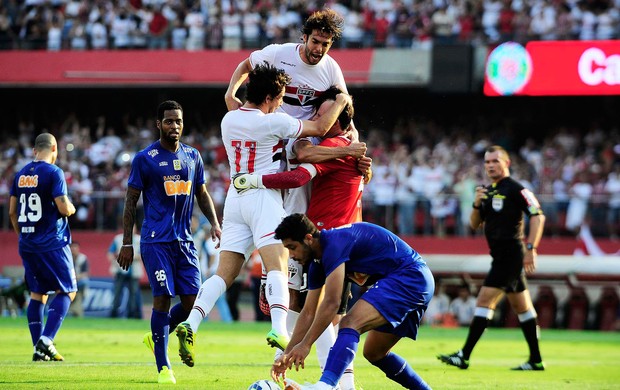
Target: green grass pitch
{"type": "Point", "coordinates": [108, 354]}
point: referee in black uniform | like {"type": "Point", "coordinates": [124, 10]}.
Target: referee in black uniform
{"type": "Point", "coordinates": [500, 208]}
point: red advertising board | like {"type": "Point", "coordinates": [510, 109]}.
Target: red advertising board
{"type": "Point", "coordinates": [549, 68]}
{"type": "Point", "coordinates": [145, 67]}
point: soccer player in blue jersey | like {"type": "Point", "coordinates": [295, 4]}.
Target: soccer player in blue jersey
{"type": "Point", "coordinates": [38, 208]}
{"type": "Point", "coordinates": [400, 289]}
{"type": "Point", "coordinates": [169, 174]}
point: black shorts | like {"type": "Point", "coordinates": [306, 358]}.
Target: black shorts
{"type": "Point", "coordinates": [507, 268]}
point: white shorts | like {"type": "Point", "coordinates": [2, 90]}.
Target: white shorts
{"type": "Point", "coordinates": [297, 280]}
{"type": "Point", "coordinates": [250, 220]}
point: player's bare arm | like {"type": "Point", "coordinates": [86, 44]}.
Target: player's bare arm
{"type": "Point", "coordinates": [125, 255]}
{"type": "Point", "coordinates": [306, 152]}
{"type": "Point", "coordinates": [306, 317]}
{"type": "Point", "coordinates": [208, 209]}
{"type": "Point", "coordinates": [537, 223]}
{"type": "Point", "coordinates": [475, 220]}
{"type": "Point", "coordinates": [13, 213]}
{"type": "Point", "coordinates": [64, 205]}
{"type": "Point", "coordinates": [237, 78]}
{"type": "Point", "coordinates": [325, 313]}
{"type": "Point", "coordinates": [321, 126]}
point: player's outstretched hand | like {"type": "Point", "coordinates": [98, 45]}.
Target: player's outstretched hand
{"type": "Point", "coordinates": [278, 370]}
{"type": "Point", "coordinates": [245, 181]}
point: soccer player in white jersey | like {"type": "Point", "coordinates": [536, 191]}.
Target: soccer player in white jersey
{"type": "Point", "coordinates": [253, 136]}
{"type": "Point", "coordinates": [312, 73]}
{"type": "Point", "coordinates": [311, 69]}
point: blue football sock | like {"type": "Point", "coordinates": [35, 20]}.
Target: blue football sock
{"type": "Point", "coordinates": [340, 356]}
{"type": "Point", "coordinates": [56, 314]}
{"type": "Point", "coordinates": [34, 313]}
{"type": "Point", "coordinates": [160, 329]}
{"type": "Point", "coordinates": [397, 369]}
{"type": "Point", "coordinates": [177, 315]}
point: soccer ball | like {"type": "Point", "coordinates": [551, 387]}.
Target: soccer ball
{"type": "Point", "coordinates": [264, 384]}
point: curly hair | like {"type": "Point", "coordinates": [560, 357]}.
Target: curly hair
{"type": "Point", "coordinates": [327, 21]}
{"type": "Point", "coordinates": [166, 106]}
{"type": "Point", "coordinates": [265, 80]}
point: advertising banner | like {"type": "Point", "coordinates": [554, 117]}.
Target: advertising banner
{"type": "Point", "coordinates": [554, 68]}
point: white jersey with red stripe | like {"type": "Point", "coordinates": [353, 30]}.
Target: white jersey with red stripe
{"type": "Point", "coordinates": [254, 140]}
{"type": "Point", "coordinates": [308, 81]}
{"type": "Point", "coordinates": [254, 144]}
{"type": "Point", "coordinates": [296, 199]}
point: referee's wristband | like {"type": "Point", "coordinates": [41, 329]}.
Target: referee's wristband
{"type": "Point", "coordinates": [127, 245]}
{"type": "Point", "coordinates": [473, 205]}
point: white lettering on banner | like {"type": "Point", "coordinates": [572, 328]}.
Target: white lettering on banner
{"type": "Point", "coordinates": [98, 299]}
{"type": "Point", "coordinates": [595, 67]}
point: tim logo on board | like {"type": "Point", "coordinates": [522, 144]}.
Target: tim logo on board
{"type": "Point", "coordinates": [100, 296]}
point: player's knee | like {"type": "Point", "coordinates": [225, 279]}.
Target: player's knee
{"type": "Point", "coordinates": [349, 321]}
{"type": "Point", "coordinates": [373, 355]}
{"type": "Point", "coordinates": [527, 315]}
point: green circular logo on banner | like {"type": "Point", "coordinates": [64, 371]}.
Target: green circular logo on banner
{"type": "Point", "coordinates": [509, 68]}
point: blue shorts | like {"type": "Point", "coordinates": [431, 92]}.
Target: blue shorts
{"type": "Point", "coordinates": [172, 267]}
{"type": "Point", "coordinates": [402, 299]}
{"type": "Point", "coordinates": [49, 271]}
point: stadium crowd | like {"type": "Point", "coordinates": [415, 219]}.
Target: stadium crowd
{"type": "Point", "coordinates": [424, 173]}
{"type": "Point", "coordinates": [234, 24]}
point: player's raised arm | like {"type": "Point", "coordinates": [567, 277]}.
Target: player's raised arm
{"type": "Point", "coordinates": [237, 78]}
{"type": "Point", "coordinates": [321, 126]}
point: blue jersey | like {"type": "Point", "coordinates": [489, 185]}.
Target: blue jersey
{"type": "Point", "coordinates": [41, 226]}
{"type": "Point", "coordinates": [369, 252]}
{"type": "Point", "coordinates": [167, 181]}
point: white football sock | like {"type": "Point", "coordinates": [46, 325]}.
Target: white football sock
{"type": "Point", "coordinates": [209, 293]}
{"type": "Point", "coordinates": [291, 321]}
{"type": "Point", "coordinates": [324, 343]}
{"type": "Point", "coordinates": [278, 298]}
{"type": "Point", "coordinates": [347, 381]}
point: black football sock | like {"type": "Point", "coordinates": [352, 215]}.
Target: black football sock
{"type": "Point", "coordinates": [530, 331]}
{"type": "Point", "coordinates": [476, 329]}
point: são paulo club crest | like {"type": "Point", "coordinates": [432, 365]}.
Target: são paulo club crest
{"type": "Point", "coordinates": [509, 68]}
{"type": "Point", "coordinates": [303, 94]}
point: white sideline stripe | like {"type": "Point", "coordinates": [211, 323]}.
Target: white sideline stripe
{"type": "Point", "coordinates": [592, 265]}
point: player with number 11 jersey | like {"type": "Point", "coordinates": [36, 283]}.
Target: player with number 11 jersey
{"type": "Point", "coordinates": [253, 137]}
